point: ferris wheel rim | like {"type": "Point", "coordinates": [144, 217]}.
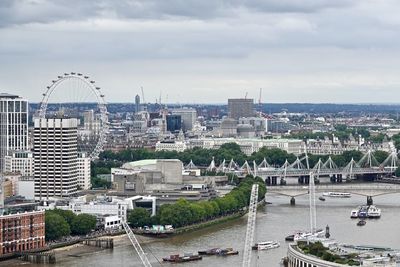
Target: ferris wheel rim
{"type": "Point", "coordinates": [101, 103]}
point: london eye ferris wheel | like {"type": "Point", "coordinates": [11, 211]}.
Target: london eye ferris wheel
{"type": "Point", "coordinates": [76, 95]}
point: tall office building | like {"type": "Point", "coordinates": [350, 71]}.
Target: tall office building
{"type": "Point", "coordinates": [137, 104]}
{"type": "Point", "coordinates": [56, 157]}
{"type": "Point", "coordinates": [188, 116]}
{"type": "Point", "coordinates": [240, 108]}
{"type": "Point", "coordinates": [174, 123]}
{"type": "Point", "coordinates": [13, 125]}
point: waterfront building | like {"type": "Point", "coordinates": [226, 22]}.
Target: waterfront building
{"type": "Point", "coordinates": [188, 116]}
{"type": "Point", "coordinates": [147, 175]}
{"type": "Point", "coordinates": [13, 126]}
{"type": "Point", "coordinates": [22, 232]}
{"type": "Point", "coordinates": [21, 162]}
{"type": "Point", "coordinates": [178, 146]}
{"type": "Point", "coordinates": [56, 157]}
{"type": "Point", "coordinates": [250, 145]}
{"type": "Point", "coordinates": [240, 107]}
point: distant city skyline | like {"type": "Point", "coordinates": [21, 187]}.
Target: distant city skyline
{"type": "Point", "coordinates": [310, 51]}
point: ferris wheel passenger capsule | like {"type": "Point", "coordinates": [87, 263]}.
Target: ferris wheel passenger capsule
{"type": "Point", "coordinates": [72, 73]}
{"type": "Point", "coordinates": [98, 88]}
{"type": "Point", "coordinates": [86, 77]}
{"type": "Point", "coordinates": [79, 74]}
{"type": "Point", "coordinates": [91, 81]}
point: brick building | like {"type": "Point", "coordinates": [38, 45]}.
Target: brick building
{"type": "Point", "coordinates": [21, 232]}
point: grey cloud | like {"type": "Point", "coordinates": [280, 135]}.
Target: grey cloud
{"type": "Point", "coordinates": [46, 11]}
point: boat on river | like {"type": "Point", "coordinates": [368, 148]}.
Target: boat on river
{"type": "Point", "coordinates": [336, 194]}
{"type": "Point", "coordinates": [303, 235]}
{"type": "Point", "coordinates": [266, 245]}
{"type": "Point", "coordinates": [228, 252]}
{"type": "Point", "coordinates": [361, 223]}
{"type": "Point", "coordinates": [185, 258]}
{"type": "Point", "coordinates": [208, 252]}
{"type": "Point", "coordinates": [370, 211]}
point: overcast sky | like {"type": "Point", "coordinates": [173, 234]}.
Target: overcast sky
{"type": "Point", "coordinates": [204, 51]}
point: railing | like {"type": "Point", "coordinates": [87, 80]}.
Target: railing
{"type": "Point", "coordinates": [136, 245]}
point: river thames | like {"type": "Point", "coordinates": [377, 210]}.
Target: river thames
{"type": "Point", "coordinates": [274, 222]}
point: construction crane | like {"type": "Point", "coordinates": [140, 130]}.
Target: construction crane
{"type": "Point", "coordinates": [245, 96]}
{"type": "Point", "coordinates": [259, 102]}
{"type": "Point", "coordinates": [136, 245]}
{"type": "Point", "coordinates": [251, 225]}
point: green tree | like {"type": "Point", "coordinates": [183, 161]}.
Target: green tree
{"type": "Point", "coordinates": [55, 226]}
{"type": "Point", "coordinates": [380, 155]}
{"type": "Point", "coordinates": [82, 224]}
{"type": "Point", "coordinates": [68, 215]}
{"type": "Point", "coordinates": [139, 217]}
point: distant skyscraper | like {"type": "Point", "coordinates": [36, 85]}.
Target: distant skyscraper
{"type": "Point", "coordinates": [240, 107]}
{"type": "Point", "coordinates": [188, 115]}
{"type": "Point", "coordinates": [137, 104]}
{"type": "Point", "coordinates": [13, 125]}
{"type": "Point", "coordinates": [56, 157]}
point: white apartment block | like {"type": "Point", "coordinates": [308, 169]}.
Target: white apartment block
{"type": "Point", "coordinates": [13, 125]}
{"type": "Point", "coordinates": [20, 162]}
{"type": "Point", "coordinates": [178, 146]}
{"type": "Point", "coordinates": [56, 157]}
{"type": "Point", "coordinates": [84, 172]}
{"type": "Point", "coordinates": [119, 209]}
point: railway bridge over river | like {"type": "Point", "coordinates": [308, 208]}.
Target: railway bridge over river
{"type": "Point", "coordinates": [368, 190]}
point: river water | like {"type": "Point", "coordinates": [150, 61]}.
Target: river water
{"type": "Point", "coordinates": [274, 222]}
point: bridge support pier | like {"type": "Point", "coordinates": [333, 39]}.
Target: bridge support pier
{"type": "Point", "coordinates": [292, 201]}
{"type": "Point", "coordinates": [301, 179]}
{"type": "Point", "coordinates": [268, 180]}
{"type": "Point", "coordinates": [370, 201]}
{"type": "Point", "coordinates": [307, 179]}
{"type": "Point", "coordinates": [282, 181]}
{"type": "Point", "coordinates": [274, 180]}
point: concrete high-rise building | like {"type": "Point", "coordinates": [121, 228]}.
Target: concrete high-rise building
{"type": "Point", "coordinates": [56, 157]}
{"type": "Point", "coordinates": [240, 107]}
{"type": "Point", "coordinates": [13, 125]}
{"type": "Point", "coordinates": [188, 116]}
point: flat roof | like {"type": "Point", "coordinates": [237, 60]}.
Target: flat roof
{"type": "Point", "coordinates": [6, 95]}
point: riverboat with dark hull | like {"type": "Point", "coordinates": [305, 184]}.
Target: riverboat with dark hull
{"type": "Point", "coordinates": [185, 258]}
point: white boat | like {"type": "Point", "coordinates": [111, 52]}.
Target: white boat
{"type": "Point", "coordinates": [307, 235]}
{"type": "Point", "coordinates": [354, 213]}
{"type": "Point", "coordinates": [337, 194]}
{"type": "Point", "coordinates": [267, 245]}
{"type": "Point", "coordinates": [373, 212]}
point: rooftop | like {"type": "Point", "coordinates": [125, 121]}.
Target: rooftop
{"type": "Point", "coordinates": [6, 95]}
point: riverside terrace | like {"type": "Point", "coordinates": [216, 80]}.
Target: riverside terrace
{"type": "Point", "coordinates": [328, 253]}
